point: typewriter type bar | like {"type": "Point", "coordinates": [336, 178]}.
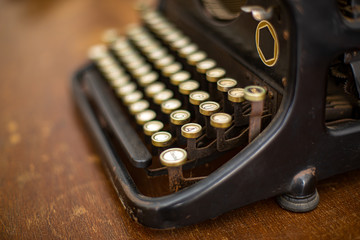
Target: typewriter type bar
{"type": "Point", "coordinates": [192, 124]}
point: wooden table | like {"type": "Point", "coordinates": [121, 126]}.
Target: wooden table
{"type": "Point", "coordinates": [53, 185]}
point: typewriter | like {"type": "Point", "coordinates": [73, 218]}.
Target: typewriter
{"type": "Point", "coordinates": [209, 105]}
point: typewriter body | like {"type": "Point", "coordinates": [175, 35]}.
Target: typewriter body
{"type": "Point", "coordinates": [207, 106]}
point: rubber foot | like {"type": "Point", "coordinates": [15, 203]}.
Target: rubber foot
{"type": "Point", "coordinates": [299, 204]}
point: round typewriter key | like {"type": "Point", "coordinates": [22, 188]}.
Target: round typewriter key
{"type": "Point", "coordinates": [138, 106]}
{"type": "Point", "coordinates": [164, 61]}
{"type": "Point", "coordinates": [180, 117]}
{"type": "Point", "coordinates": [120, 44]}
{"type": "Point", "coordinates": [173, 157]}
{"type": "Point", "coordinates": [152, 127]}
{"type": "Point", "coordinates": [209, 107]}
{"type": "Point", "coordinates": [148, 79]}
{"type": "Point", "coordinates": [174, 36]}
{"type": "Point", "coordinates": [112, 69]}
{"type": "Point", "coordinates": [126, 53]}
{"type": "Point", "coordinates": [189, 86]}
{"type": "Point", "coordinates": [132, 97]}
{"type": "Point", "coordinates": [98, 51]}
{"type": "Point", "coordinates": [144, 69]}
{"type": "Point", "coordinates": [135, 64]}
{"type": "Point", "coordinates": [133, 58]}
{"type": "Point", "coordinates": [120, 81]}
{"type": "Point", "coordinates": [196, 57]}
{"type": "Point", "coordinates": [156, 55]}
{"type": "Point", "coordinates": [198, 97]}
{"type": "Point", "coordinates": [171, 69]}
{"type": "Point", "coordinates": [205, 65]}
{"type": "Point", "coordinates": [110, 35]}
{"type": "Point", "coordinates": [134, 29]}
{"type": "Point", "coordinates": [126, 89]}
{"type": "Point", "coordinates": [180, 43]}
{"type": "Point", "coordinates": [191, 130]}
{"type": "Point", "coordinates": [170, 105]}
{"type": "Point", "coordinates": [113, 74]}
{"type": "Point", "coordinates": [225, 84]}
{"type": "Point", "coordinates": [179, 77]}
{"type": "Point", "coordinates": [106, 62]}
{"type": "Point", "coordinates": [164, 30]}
{"type": "Point", "coordinates": [254, 93]}
{"type": "Point", "coordinates": [236, 95]}
{"type": "Point", "coordinates": [145, 116]}
{"type": "Point", "coordinates": [220, 120]}
{"type": "Point", "coordinates": [147, 42]}
{"type": "Point", "coordinates": [150, 48]}
{"type": "Point", "coordinates": [187, 50]}
{"type": "Point", "coordinates": [215, 74]}
{"type": "Point", "coordinates": [161, 139]}
{"type": "Point", "coordinates": [154, 88]}
{"type": "Point", "coordinates": [163, 96]}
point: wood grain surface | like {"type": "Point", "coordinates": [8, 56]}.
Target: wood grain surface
{"type": "Point", "coordinates": [52, 183]}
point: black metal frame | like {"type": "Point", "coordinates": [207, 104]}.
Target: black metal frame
{"type": "Point", "coordinates": [295, 146]}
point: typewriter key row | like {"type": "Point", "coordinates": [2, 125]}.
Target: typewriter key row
{"type": "Point", "coordinates": [157, 73]}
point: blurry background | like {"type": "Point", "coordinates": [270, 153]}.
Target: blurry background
{"type": "Point", "coordinates": [52, 184]}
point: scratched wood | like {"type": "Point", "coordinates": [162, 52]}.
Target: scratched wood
{"type": "Point", "coordinates": [52, 183]}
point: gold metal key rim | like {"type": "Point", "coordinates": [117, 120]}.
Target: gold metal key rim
{"type": "Point", "coordinates": [173, 157]}
{"type": "Point", "coordinates": [191, 130]}
{"type": "Point", "coordinates": [254, 93]}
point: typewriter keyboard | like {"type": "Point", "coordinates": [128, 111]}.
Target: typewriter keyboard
{"type": "Point", "coordinates": [177, 109]}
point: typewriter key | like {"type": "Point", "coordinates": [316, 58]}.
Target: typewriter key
{"type": "Point", "coordinates": [187, 50]}
{"type": "Point", "coordinates": [97, 52]}
{"type": "Point", "coordinates": [191, 130]}
{"type": "Point", "coordinates": [171, 69]}
{"type": "Point", "coordinates": [144, 69]}
{"type": "Point", "coordinates": [134, 29]}
{"type": "Point", "coordinates": [126, 89]}
{"type": "Point", "coordinates": [106, 62]}
{"type": "Point", "coordinates": [174, 36]}
{"type": "Point", "coordinates": [113, 73]}
{"type": "Point", "coordinates": [150, 48]}
{"type": "Point", "coordinates": [173, 157]}
{"type": "Point", "coordinates": [110, 36]}
{"type": "Point", "coordinates": [152, 127]}
{"type": "Point", "coordinates": [180, 117]}
{"type": "Point", "coordinates": [179, 77]}
{"type": "Point", "coordinates": [198, 97]}
{"type": "Point", "coordinates": [254, 93]}
{"type": "Point", "coordinates": [120, 44]}
{"type": "Point", "coordinates": [161, 139]}
{"type": "Point", "coordinates": [138, 107]}
{"type": "Point", "coordinates": [220, 120]}
{"type": "Point", "coordinates": [147, 42]}
{"type": "Point", "coordinates": [162, 96]}
{"type": "Point", "coordinates": [132, 97]}
{"type": "Point", "coordinates": [236, 95]}
{"type": "Point", "coordinates": [145, 116]}
{"type": "Point", "coordinates": [148, 79]}
{"type": "Point", "coordinates": [205, 65]}
{"type": "Point", "coordinates": [196, 57]}
{"type": "Point", "coordinates": [120, 81]}
{"type": "Point", "coordinates": [133, 58]}
{"type": "Point", "coordinates": [188, 86]}
{"type": "Point", "coordinates": [225, 84]}
{"type": "Point", "coordinates": [164, 30]}
{"type": "Point", "coordinates": [208, 108]}
{"type": "Point", "coordinates": [215, 74]}
{"type": "Point", "coordinates": [170, 105]}
{"type": "Point", "coordinates": [158, 54]}
{"type": "Point", "coordinates": [179, 43]}
{"type": "Point", "coordinates": [154, 88]}
{"type": "Point", "coordinates": [126, 53]}
{"type": "Point", "coordinates": [135, 64]}
{"type": "Point", "coordinates": [164, 61]}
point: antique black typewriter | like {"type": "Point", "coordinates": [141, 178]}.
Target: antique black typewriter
{"type": "Point", "coordinates": [210, 105]}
